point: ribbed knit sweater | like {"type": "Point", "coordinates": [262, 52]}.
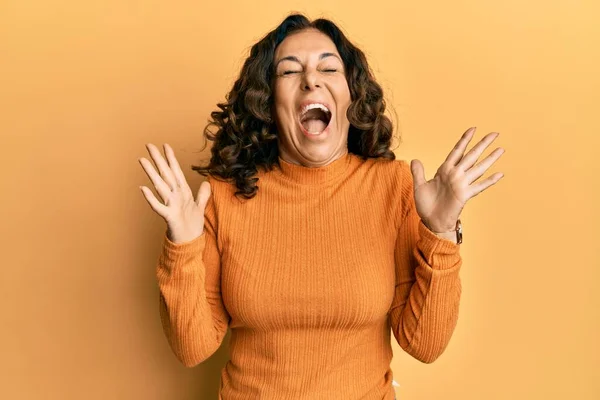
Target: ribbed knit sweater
{"type": "Point", "coordinates": [311, 275]}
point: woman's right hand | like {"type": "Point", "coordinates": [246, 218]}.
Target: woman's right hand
{"type": "Point", "coordinates": [184, 215]}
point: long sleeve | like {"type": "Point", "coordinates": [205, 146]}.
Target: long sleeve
{"type": "Point", "coordinates": [192, 313]}
{"type": "Point", "coordinates": [425, 307]}
{"type": "Point", "coordinates": [271, 260]}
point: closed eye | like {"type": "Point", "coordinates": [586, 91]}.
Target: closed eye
{"type": "Point", "coordinates": [295, 72]}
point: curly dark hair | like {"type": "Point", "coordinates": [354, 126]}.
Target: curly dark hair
{"type": "Point", "coordinates": [247, 137]}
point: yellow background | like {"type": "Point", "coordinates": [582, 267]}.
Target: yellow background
{"type": "Point", "coordinates": [84, 85]}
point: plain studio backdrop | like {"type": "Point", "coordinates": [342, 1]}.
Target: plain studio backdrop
{"type": "Point", "coordinates": [84, 85]}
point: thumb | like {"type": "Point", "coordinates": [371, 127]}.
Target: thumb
{"type": "Point", "coordinates": [203, 193]}
{"type": "Point", "coordinates": [418, 173]}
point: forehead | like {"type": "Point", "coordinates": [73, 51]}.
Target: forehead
{"type": "Point", "coordinates": [304, 43]}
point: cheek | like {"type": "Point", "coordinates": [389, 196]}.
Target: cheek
{"type": "Point", "coordinates": [280, 111]}
{"type": "Point", "coordinates": [342, 92]}
{"type": "Point", "coordinates": [283, 100]}
{"type": "Point", "coordinates": [347, 96]}
{"type": "Point", "coordinates": [344, 102]}
{"type": "Point", "coordinates": [278, 101]}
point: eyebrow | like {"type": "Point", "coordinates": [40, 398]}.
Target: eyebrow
{"type": "Point", "coordinates": [294, 58]}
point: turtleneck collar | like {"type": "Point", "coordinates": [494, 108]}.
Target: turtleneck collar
{"type": "Point", "coordinates": [315, 175]}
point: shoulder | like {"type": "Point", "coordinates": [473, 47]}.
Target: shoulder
{"type": "Point", "coordinates": [395, 172]}
{"type": "Point", "coordinates": [389, 183]}
{"type": "Point", "coordinates": [217, 182]}
{"type": "Point", "coordinates": [390, 177]}
{"type": "Point", "coordinates": [221, 189]}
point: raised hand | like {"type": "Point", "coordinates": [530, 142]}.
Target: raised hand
{"type": "Point", "coordinates": [184, 215]}
{"type": "Point", "coordinates": [440, 200]}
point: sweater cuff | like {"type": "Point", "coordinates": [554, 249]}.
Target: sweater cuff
{"type": "Point", "coordinates": [439, 253]}
{"type": "Point", "coordinates": [178, 252]}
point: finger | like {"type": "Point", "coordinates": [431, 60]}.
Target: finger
{"type": "Point", "coordinates": [174, 165]}
{"type": "Point", "coordinates": [471, 157]}
{"type": "Point", "coordinates": [162, 165]}
{"type": "Point", "coordinates": [161, 187]}
{"type": "Point", "coordinates": [418, 173]}
{"type": "Point", "coordinates": [477, 188]}
{"type": "Point", "coordinates": [459, 149]}
{"type": "Point", "coordinates": [478, 170]}
{"type": "Point", "coordinates": [203, 194]}
{"type": "Point", "coordinates": [156, 205]}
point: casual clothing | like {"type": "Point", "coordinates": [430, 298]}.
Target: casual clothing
{"type": "Point", "coordinates": [313, 275]}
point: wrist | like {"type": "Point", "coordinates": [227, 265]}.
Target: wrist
{"type": "Point", "coordinates": [448, 234]}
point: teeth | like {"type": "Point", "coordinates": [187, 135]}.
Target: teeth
{"type": "Point", "coordinates": [315, 105]}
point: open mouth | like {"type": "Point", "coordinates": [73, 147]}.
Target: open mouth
{"type": "Point", "coordinates": [315, 118]}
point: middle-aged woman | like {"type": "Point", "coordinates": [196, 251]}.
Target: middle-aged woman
{"type": "Point", "coordinates": [308, 239]}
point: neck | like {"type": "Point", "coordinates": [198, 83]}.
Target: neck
{"type": "Point", "coordinates": [315, 175]}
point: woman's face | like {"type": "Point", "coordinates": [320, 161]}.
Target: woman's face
{"type": "Point", "coordinates": [310, 75]}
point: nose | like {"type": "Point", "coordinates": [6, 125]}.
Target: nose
{"type": "Point", "coordinates": [310, 81]}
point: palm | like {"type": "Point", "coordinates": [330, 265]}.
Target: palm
{"type": "Point", "coordinates": [440, 200]}
{"type": "Point", "coordinates": [184, 214]}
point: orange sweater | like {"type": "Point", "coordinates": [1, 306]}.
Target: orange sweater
{"type": "Point", "coordinates": [310, 275]}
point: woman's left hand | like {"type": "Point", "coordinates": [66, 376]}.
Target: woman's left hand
{"type": "Point", "coordinates": [440, 200]}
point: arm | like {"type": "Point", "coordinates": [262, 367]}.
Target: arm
{"type": "Point", "coordinates": [424, 310]}
{"type": "Point", "coordinates": [192, 313]}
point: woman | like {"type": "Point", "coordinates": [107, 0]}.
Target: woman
{"type": "Point", "coordinates": [309, 240]}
